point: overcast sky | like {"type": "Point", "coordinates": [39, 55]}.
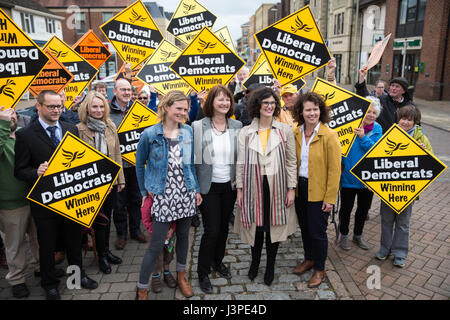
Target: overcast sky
{"type": "Point", "coordinates": [230, 13]}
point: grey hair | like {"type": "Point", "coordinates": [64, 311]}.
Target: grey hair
{"type": "Point", "coordinates": [375, 104]}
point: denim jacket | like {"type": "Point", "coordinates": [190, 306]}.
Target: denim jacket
{"type": "Point", "coordinates": [152, 159]}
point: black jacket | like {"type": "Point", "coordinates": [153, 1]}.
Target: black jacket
{"type": "Point", "coordinates": [33, 147]}
{"type": "Point", "coordinates": [388, 115]}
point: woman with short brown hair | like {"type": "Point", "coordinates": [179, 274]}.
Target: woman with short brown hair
{"type": "Point", "coordinates": [319, 169]}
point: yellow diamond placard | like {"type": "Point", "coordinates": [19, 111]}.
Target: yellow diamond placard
{"type": "Point", "coordinates": [398, 169]}
{"type": "Point", "coordinates": [133, 33]}
{"type": "Point", "coordinates": [258, 62]}
{"type": "Point", "coordinates": [157, 73]}
{"type": "Point", "coordinates": [83, 72]}
{"type": "Point", "coordinates": [262, 74]}
{"type": "Point", "coordinates": [137, 119]}
{"type": "Point", "coordinates": [225, 36]}
{"type": "Point", "coordinates": [54, 76]}
{"type": "Point", "coordinates": [21, 61]}
{"type": "Point", "coordinates": [77, 181]}
{"type": "Point", "coordinates": [188, 19]}
{"type": "Point", "coordinates": [206, 62]}
{"type": "Point", "coordinates": [91, 48]}
{"type": "Point", "coordinates": [293, 46]}
{"type": "Point", "coordinates": [347, 111]}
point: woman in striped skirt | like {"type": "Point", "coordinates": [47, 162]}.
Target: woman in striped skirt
{"type": "Point", "coordinates": [265, 181]}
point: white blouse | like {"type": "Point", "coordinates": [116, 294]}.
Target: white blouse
{"type": "Point", "coordinates": [304, 154]}
{"type": "Point", "coordinates": [221, 168]}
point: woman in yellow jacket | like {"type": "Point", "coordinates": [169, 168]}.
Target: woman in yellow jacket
{"type": "Point", "coordinates": [98, 130]}
{"type": "Point", "coordinates": [319, 169]}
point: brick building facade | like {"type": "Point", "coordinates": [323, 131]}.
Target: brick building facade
{"type": "Point", "coordinates": [427, 64]}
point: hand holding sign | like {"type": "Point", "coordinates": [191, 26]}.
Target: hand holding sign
{"type": "Point", "coordinates": [42, 168]}
{"type": "Point", "coordinates": [363, 73]}
{"type": "Point", "coordinates": [359, 132]}
{"type": "Point", "coordinates": [377, 52]}
{"type": "Point", "coordinates": [6, 114]}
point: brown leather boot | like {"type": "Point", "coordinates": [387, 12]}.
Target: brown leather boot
{"type": "Point", "coordinates": [303, 267]}
{"type": "Point", "coordinates": [316, 279]}
{"type": "Point", "coordinates": [141, 294]}
{"type": "Point", "coordinates": [184, 286]}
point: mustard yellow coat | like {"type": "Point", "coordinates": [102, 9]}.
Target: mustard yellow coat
{"type": "Point", "coordinates": [324, 165]}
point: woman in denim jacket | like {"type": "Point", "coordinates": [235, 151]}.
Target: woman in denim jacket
{"type": "Point", "coordinates": [165, 171]}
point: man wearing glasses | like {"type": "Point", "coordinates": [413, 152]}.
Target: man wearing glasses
{"type": "Point", "coordinates": [34, 146]}
{"type": "Point", "coordinates": [127, 209]}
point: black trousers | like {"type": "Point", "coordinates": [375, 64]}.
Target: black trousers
{"type": "Point", "coordinates": [48, 231]}
{"type": "Point", "coordinates": [271, 248]}
{"type": "Point", "coordinates": [364, 202]}
{"type": "Point", "coordinates": [216, 209]}
{"type": "Point", "coordinates": [313, 225]}
{"type": "Point", "coordinates": [102, 226]}
{"type": "Point", "coordinates": [128, 204]}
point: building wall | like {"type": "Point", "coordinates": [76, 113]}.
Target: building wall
{"type": "Point", "coordinates": [342, 44]}
{"type": "Point", "coordinates": [94, 19]}
{"type": "Point", "coordinates": [40, 34]}
{"type": "Point", "coordinates": [428, 85]}
{"type": "Point", "coordinates": [252, 41]}
{"type": "Point", "coordinates": [432, 53]}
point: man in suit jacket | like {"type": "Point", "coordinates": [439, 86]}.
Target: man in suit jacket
{"type": "Point", "coordinates": [34, 146]}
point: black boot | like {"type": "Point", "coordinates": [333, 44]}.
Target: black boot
{"type": "Point", "coordinates": [112, 258]}
{"type": "Point", "coordinates": [272, 249]}
{"type": "Point", "coordinates": [103, 264]}
{"type": "Point", "coordinates": [256, 255]}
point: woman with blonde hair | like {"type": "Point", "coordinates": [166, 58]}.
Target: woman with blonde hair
{"type": "Point", "coordinates": [98, 130]}
{"type": "Point", "coordinates": [165, 172]}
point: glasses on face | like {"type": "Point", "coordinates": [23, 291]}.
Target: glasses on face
{"type": "Point", "coordinates": [56, 107]}
{"type": "Point", "coordinates": [143, 98]}
{"type": "Point", "coordinates": [268, 103]}
{"type": "Point", "coordinates": [380, 87]}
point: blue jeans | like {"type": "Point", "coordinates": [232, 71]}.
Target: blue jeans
{"type": "Point", "coordinates": [159, 234]}
{"type": "Point", "coordinates": [395, 231]}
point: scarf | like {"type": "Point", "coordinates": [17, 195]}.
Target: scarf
{"type": "Point", "coordinates": [99, 127]}
{"type": "Point", "coordinates": [252, 196]}
{"type": "Point", "coordinates": [368, 128]}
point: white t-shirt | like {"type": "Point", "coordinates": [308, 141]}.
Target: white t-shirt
{"type": "Point", "coordinates": [221, 172]}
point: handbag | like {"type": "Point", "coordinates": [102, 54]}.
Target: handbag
{"type": "Point", "coordinates": [146, 214]}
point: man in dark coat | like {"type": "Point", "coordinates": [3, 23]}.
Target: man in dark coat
{"type": "Point", "coordinates": [397, 97]}
{"type": "Point", "coordinates": [35, 144]}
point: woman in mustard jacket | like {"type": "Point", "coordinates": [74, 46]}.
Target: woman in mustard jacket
{"type": "Point", "coordinates": [319, 169]}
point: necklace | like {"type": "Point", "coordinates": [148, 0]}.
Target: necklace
{"type": "Point", "coordinates": [216, 129]}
